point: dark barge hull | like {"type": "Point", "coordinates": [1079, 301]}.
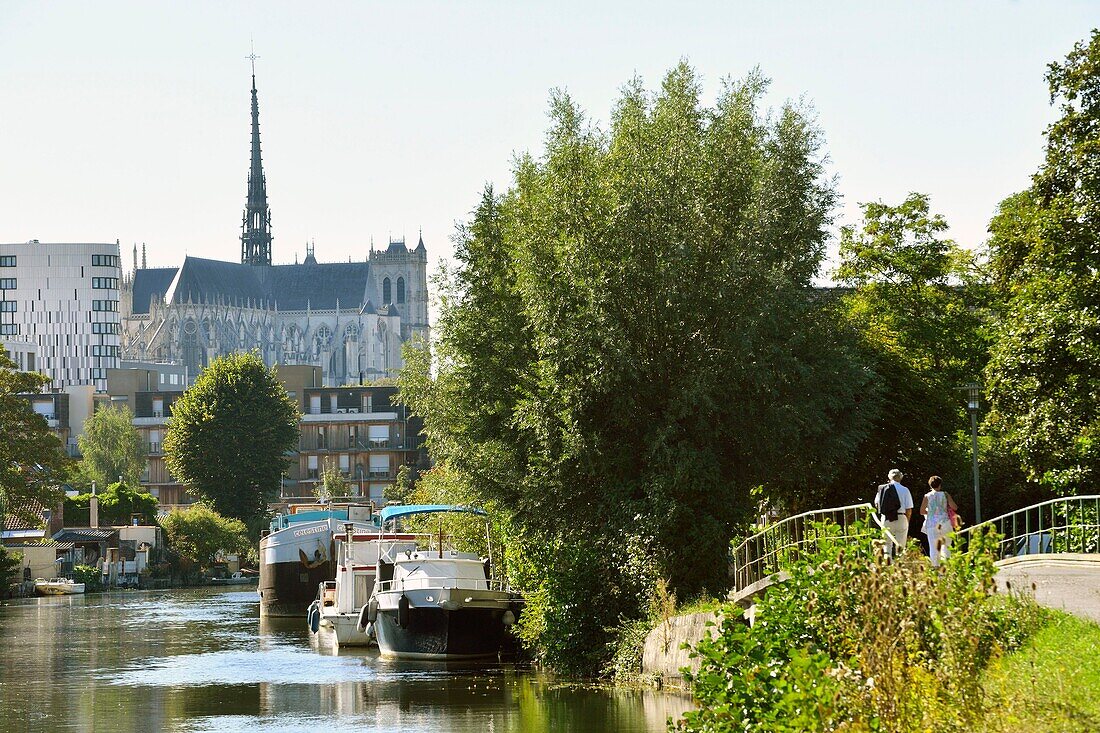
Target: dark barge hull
{"type": "Point", "coordinates": [436, 633]}
{"type": "Point", "coordinates": [287, 588]}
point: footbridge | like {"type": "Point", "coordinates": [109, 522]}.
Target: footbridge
{"type": "Point", "coordinates": [1050, 549]}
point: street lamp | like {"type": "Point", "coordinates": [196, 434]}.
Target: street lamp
{"type": "Point", "coordinates": [973, 391]}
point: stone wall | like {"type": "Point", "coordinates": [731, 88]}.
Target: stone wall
{"type": "Point", "coordinates": [663, 656]}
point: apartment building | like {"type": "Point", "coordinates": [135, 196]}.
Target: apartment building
{"type": "Point", "coordinates": [64, 299]}
{"type": "Point", "coordinates": [358, 430]}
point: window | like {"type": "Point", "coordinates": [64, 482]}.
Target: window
{"type": "Point", "coordinates": [9, 329]}
{"type": "Point", "coordinates": [7, 306]}
{"type": "Point", "coordinates": [385, 291]}
{"type": "Point", "coordinates": [110, 306]}
{"type": "Point", "coordinates": [400, 290]}
{"type": "Point", "coordinates": [8, 283]}
{"type": "Point", "coordinates": [104, 260]}
{"type": "Point", "coordinates": [7, 260]}
{"type": "Point", "coordinates": [105, 328]}
{"type": "Point", "coordinates": [105, 283]}
{"type": "Point", "coordinates": [102, 350]}
{"type": "Point", "coordinates": [379, 465]}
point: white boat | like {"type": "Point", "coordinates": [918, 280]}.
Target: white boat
{"type": "Point", "coordinates": [437, 602]}
{"type": "Point", "coordinates": [339, 602]}
{"type": "Point", "coordinates": [57, 587]}
{"type": "Point", "coordinates": [237, 578]}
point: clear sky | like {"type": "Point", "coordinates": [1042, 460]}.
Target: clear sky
{"type": "Point", "coordinates": [130, 120]}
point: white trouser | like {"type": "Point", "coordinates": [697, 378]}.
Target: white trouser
{"type": "Point", "coordinates": [939, 545]}
{"type": "Point", "coordinates": [899, 528]}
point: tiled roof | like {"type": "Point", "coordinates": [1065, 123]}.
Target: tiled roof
{"type": "Point", "coordinates": [47, 542]}
{"type": "Point", "coordinates": [26, 514]}
{"type": "Point", "coordinates": [83, 534]}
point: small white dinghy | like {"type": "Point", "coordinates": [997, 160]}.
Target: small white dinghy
{"type": "Point", "coordinates": [57, 587]}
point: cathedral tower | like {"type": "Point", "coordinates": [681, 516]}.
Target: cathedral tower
{"type": "Point", "coordinates": [256, 226]}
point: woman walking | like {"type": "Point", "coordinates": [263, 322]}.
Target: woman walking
{"type": "Point", "coordinates": [938, 509]}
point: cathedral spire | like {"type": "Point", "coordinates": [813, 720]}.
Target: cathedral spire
{"type": "Point", "coordinates": [256, 225]}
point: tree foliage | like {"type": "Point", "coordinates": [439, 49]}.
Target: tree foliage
{"type": "Point", "coordinates": [198, 534]}
{"type": "Point", "coordinates": [1044, 374]}
{"type": "Point", "coordinates": [918, 301]}
{"type": "Point", "coordinates": [230, 433]}
{"type": "Point", "coordinates": [117, 505]}
{"type": "Point", "coordinates": [10, 563]}
{"type": "Point", "coordinates": [629, 347]}
{"type": "Point", "coordinates": [332, 482]}
{"type": "Point", "coordinates": [31, 457]}
{"type": "Point", "coordinates": [111, 449]}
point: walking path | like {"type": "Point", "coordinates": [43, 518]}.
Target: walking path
{"type": "Point", "coordinates": [1067, 582]}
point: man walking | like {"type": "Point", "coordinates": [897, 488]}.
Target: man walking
{"type": "Point", "coordinates": [894, 503]}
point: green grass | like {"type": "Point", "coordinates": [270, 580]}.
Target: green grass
{"type": "Point", "coordinates": [1051, 684]}
{"type": "Point", "coordinates": [700, 605]}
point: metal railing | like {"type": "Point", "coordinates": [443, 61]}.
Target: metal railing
{"type": "Point", "coordinates": [433, 584]}
{"type": "Point", "coordinates": [767, 552]}
{"type": "Point", "coordinates": [1068, 524]}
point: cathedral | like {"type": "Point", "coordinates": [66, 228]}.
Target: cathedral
{"type": "Point", "coordinates": [349, 318]}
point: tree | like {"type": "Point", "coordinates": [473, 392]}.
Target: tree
{"type": "Point", "coordinates": [332, 482]}
{"type": "Point", "coordinates": [229, 436]}
{"type": "Point", "coordinates": [1044, 374]}
{"type": "Point", "coordinates": [918, 303]}
{"type": "Point", "coordinates": [31, 457]}
{"type": "Point", "coordinates": [118, 503]}
{"type": "Point", "coordinates": [10, 562]}
{"type": "Point", "coordinates": [198, 533]}
{"type": "Point", "coordinates": [630, 347]}
{"type": "Point", "coordinates": [111, 449]}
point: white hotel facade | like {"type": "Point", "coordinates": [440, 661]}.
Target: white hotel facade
{"type": "Point", "coordinates": [63, 299]}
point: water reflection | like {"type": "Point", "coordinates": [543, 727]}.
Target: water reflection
{"type": "Point", "coordinates": [204, 661]}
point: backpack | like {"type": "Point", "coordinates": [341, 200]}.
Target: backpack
{"type": "Point", "coordinates": [889, 504]}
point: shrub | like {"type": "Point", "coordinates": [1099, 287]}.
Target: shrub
{"type": "Point", "coordinates": [89, 576]}
{"type": "Point", "coordinates": [855, 641]}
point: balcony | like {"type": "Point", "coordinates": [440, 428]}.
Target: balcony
{"type": "Point", "coordinates": [311, 443]}
{"type": "Point", "coordinates": [327, 416]}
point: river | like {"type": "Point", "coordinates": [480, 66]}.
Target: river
{"type": "Point", "coordinates": [203, 660]}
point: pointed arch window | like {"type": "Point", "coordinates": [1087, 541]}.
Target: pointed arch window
{"type": "Point", "coordinates": [400, 290]}
{"type": "Point", "coordinates": [386, 291]}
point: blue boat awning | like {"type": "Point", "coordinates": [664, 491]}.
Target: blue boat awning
{"type": "Point", "coordinates": [404, 510]}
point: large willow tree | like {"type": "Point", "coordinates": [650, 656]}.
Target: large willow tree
{"type": "Point", "coordinates": [630, 347]}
